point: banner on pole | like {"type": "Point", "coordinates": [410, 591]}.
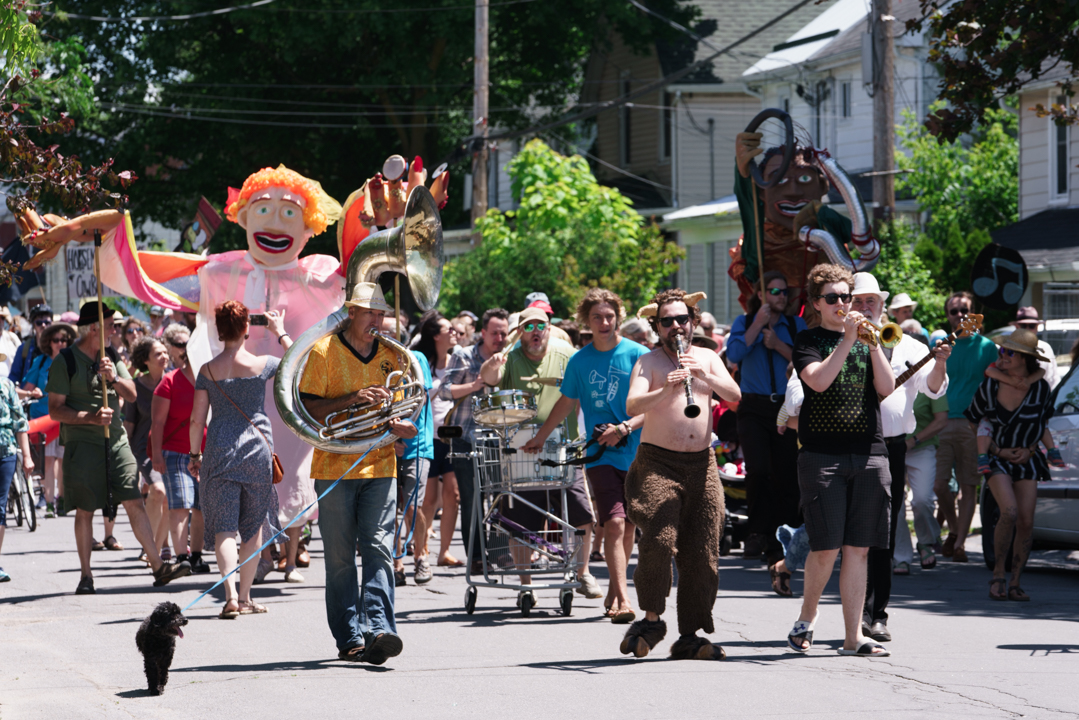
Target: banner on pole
{"type": "Point", "coordinates": [81, 282]}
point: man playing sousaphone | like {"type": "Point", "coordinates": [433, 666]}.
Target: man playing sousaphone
{"type": "Point", "coordinates": [343, 369]}
{"type": "Point", "coordinates": [673, 488]}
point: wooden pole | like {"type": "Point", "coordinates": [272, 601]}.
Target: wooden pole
{"type": "Point", "coordinates": [883, 110]}
{"type": "Point", "coordinates": [479, 117]}
{"type": "Point", "coordinates": [397, 303]}
{"type": "Point", "coordinates": [101, 328]}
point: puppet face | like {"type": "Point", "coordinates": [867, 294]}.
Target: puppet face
{"type": "Point", "coordinates": [273, 219]}
{"type": "Point", "coordinates": [801, 185]}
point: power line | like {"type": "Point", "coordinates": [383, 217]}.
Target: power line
{"type": "Point", "coordinates": [189, 16]}
{"type": "Point", "coordinates": [352, 126]}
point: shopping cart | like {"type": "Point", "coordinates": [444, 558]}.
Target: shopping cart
{"type": "Point", "coordinates": [506, 548]}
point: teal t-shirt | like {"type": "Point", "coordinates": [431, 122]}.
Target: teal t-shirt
{"type": "Point", "coordinates": [423, 445]}
{"type": "Point", "coordinates": [600, 380]}
{"type": "Point", "coordinates": [966, 371]}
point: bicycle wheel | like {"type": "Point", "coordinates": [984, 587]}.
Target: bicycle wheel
{"type": "Point", "coordinates": [14, 502]}
{"type": "Point", "coordinates": [26, 497]}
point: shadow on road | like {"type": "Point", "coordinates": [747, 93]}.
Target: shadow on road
{"type": "Point", "coordinates": [247, 669]}
{"type": "Point", "coordinates": [1042, 650]}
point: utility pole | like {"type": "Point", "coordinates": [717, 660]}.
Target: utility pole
{"type": "Point", "coordinates": [479, 118]}
{"type": "Point", "coordinates": [882, 23]}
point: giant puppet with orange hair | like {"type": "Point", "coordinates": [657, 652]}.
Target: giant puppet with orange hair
{"type": "Point", "coordinates": [280, 210]}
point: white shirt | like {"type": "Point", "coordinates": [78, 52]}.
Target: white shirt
{"type": "Point", "coordinates": [897, 410]}
{"type": "Point", "coordinates": [793, 397]}
{"type": "Point", "coordinates": [1052, 372]}
{"type": "Point", "coordinates": [9, 345]}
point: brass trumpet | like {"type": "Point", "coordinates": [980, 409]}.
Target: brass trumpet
{"type": "Point", "coordinates": [890, 333]}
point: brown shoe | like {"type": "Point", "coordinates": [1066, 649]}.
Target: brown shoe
{"type": "Point", "coordinates": [959, 555]}
{"type": "Point", "coordinates": [303, 558]}
{"type": "Point", "coordinates": [282, 563]}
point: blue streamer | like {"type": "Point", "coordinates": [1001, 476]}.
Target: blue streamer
{"type": "Point", "coordinates": [413, 502]}
{"type": "Point", "coordinates": [278, 533]}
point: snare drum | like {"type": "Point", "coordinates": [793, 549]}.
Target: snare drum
{"type": "Point", "coordinates": [504, 407]}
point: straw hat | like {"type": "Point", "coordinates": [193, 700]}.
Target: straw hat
{"type": "Point", "coordinates": [866, 284]}
{"type": "Point", "coordinates": [902, 300]}
{"type": "Point", "coordinates": [369, 297]}
{"type": "Point", "coordinates": [1021, 341]}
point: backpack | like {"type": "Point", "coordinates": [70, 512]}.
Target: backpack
{"type": "Point", "coordinates": [69, 359]}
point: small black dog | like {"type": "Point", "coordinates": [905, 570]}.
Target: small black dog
{"type": "Point", "coordinates": [156, 640]}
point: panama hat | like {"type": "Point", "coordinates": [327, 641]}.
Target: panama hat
{"type": "Point", "coordinates": [369, 297]}
{"type": "Point", "coordinates": [1022, 341]}
{"type": "Point", "coordinates": [866, 284]}
{"type": "Point", "coordinates": [902, 300]}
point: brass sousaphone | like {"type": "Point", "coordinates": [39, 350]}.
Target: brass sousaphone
{"type": "Point", "coordinates": [414, 249]}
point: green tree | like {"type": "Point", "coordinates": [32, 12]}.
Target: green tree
{"type": "Point", "coordinates": [569, 233]}
{"type": "Point", "coordinates": [327, 87]}
{"type": "Point", "coordinates": [902, 270]}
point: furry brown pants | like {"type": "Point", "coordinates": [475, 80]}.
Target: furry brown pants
{"type": "Point", "coordinates": [676, 499]}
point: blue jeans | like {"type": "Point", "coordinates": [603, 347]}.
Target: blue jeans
{"type": "Point", "coordinates": [363, 511]}
{"type": "Point", "coordinates": [7, 474]}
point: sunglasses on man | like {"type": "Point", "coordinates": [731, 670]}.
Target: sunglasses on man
{"type": "Point", "coordinates": [42, 322]}
{"type": "Point", "coordinates": [777, 291]}
{"type": "Point", "coordinates": [833, 298]}
{"type": "Point", "coordinates": [672, 319]}
{"type": "Point", "coordinates": [959, 311]}
{"type": "Point", "coordinates": [540, 326]}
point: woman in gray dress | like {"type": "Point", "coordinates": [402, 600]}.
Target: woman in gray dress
{"type": "Point", "coordinates": [235, 474]}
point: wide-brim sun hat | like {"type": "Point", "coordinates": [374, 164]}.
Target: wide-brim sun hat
{"type": "Point", "coordinates": [47, 335]}
{"type": "Point", "coordinates": [1021, 341]}
{"type": "Point", "coordinates": [902, 300]}
{"type": "Point", "coordinates": [866, 284]}
{"type": "Point", "coordinates": [369, 297]}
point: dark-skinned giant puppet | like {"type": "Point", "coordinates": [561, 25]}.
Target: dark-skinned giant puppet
{"type": "Point", "coordinates": [280, 210]}
{"type": "Point", "coordinates": [780, 200]}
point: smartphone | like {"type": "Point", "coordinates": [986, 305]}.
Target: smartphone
{"type": "Point", "coordinates": [258, 319]}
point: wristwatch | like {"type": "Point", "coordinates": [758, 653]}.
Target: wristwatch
{"type": "Point", "coordinates": [195, 456]}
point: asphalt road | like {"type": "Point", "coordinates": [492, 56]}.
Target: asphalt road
{"type": "Point", "coordinates": [956, 654]}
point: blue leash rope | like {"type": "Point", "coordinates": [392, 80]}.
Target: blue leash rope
{"type": "Point", "coordinates": [413, 502]}
{"type": "Point", "coordinates": [266, 544]}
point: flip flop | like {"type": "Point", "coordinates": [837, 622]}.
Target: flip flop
{"type": "Point", "coordinates": [993, 585]}
{"type": "Point", "coordinates": [455, 563]}
{"type": "Point", "coordinates": [623, 615]}
{"type": "Point", "coordinates": [608, 611]}
{"type": "Point", "coordinates": [866, 649]}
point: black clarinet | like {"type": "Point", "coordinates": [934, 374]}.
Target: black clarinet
{"type": "Point", "coordinates": [692, 409]}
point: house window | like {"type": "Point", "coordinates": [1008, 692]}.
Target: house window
{"type": "Point", "coordinates": [845, 97]}
{"type": "Point", "coordinates": [624, 123]}
{"type": "Point", "coordinates": [1059, 152]}
{"type": "Point", "coordinates": [667, 123]}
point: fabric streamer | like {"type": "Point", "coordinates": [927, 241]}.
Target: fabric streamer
{"type": "Point", "coordinates": [266, 544]}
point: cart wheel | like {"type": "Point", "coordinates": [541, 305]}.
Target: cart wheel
{"type": "Point", "coordinates": [470, 599]}
{"type": "Point", "coordinates": [725, 545]}
{"type": "Point", "coordinates": [526, 605]}
{"type": "Point", "coordinates": [566, 601]}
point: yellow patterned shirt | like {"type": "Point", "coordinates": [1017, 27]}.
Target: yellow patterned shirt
{"type": "Point", "coordinates": [334, 369]}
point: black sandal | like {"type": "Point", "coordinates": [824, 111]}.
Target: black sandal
{"type": "Point", "coordinates": [642, 636]}
{"type": "Point", "coordinates": [993, 584]}
{"type": "Point", "coordinates": [781, 582]}
{"type": "Point", "coordinates": [691, 647]}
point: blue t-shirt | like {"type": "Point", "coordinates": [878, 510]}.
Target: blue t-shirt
{"type": "Point", "coordinates": [966, 371]}
{"type": "Point", "coordinates": [754, 358]}
{"type": "Point", "coordinates": [423, 445]}
{"type": "Point", "coordinates": [600, 380]}
{"type": "Point", "coordinates": [38, 375]}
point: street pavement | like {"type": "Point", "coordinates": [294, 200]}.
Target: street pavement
{"type": "Point", "coordinates": [956, 654]}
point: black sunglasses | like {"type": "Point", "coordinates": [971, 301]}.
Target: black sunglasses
{"type": "Point", "coordinates": [178, 346]}
{"type": "Point", "coordinates": [833, 298]}
{"type": "Point", "coordinates": [672, 319]}
{"type": "Point", "coordinates": [778, 291]}
{"type": "Point", "coordinates": [959, 311]}
{"type": "Point", "coordinates": [43, 323]}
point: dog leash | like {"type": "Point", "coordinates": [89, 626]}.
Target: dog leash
{"type": "Point", "coordinates": [304, 512]}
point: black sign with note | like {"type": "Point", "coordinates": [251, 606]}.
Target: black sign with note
{"type": "Point", "coordinates": [999, 277]}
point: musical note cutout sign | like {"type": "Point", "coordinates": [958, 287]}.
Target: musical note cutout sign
{"type": "Point", "coordinates": [999, 277]}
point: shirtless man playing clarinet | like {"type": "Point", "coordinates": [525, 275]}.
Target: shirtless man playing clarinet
{"type": "Point", "coordinates": [672, 489]}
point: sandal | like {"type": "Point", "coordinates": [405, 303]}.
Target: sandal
{"type": "Point", "coordinates": [642, 636]}
{"type": "Point", "coordinates": [927, 557]}
{"type": "Point", "coordinates": [227, 614]}
{"type": "Point", "coordinates": [596, 556]}
{"type": "Point", "coordinates": [691, 647]}
{"type": "Point", "coordinates": [997, 584]}
{"type": "Point", "coordinates": [608, 611]}
{"type": "Point", "coordinates": [112, 543]}
{"type": "Point", "coordinates": [802, 630]}
{"type": "Point", "coordinates": [901, 568]}
{"type": "Point", "coordinates": [781, 582]}
{"type": "Point", "coordinates": [250, 607]}
{"type": "Point", "coordinates": [450, 562]}
{"type": "Point", "coordinates": [1017, 594]}
{"type": "Point", "coordinates": [623, 615]}
{"type": "Point", "coordinates": [98, 545]}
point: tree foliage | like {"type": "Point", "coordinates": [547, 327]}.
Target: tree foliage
{"type": "Point", "coordinates": [568, 234]}
{"type": "Point", "coordinates": [987, 50]}
{"type": "Point", "coordinates": [327, 87]}
{"type": "Point", "coordinates": [900, 269]}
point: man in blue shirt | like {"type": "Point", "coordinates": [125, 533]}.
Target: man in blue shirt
{"type": "Point", "coordinates": [762, 347]}
{"type": "Point", "coordinates": [598, 376]}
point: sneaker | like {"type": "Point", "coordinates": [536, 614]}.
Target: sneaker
{"type": "Point", "coordinates": [50, 510]}
{"type": "Point", "coordinates": [170, 571]}
{"type": "Point", "coordinates": [86, 586]}
{"type": "Point", "coordinates": [166, 553]}
{"type": "Point", "coordinates": [265, 568]}
{"type": "Point", "coordinates": [292, 576]}
{"type": "Point", "coordinates": [4, 577]}
{"type": "Point", "coordinates": [198, 565]}
{"type": "Point", "coordinates": [423, 571]}
{"type": "Point", "coordinates": [399, 578]}
{"type": "Point", "coordinates": [382, 648]}
{"type": "Point", "coordinates": [41, 498]}
{"type": "Point", "coordinates": [589, 587]}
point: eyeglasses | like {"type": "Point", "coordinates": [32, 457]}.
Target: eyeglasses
{"type": "Point", "coordinates": [42, 322]}
{"type": "Point", "coordinates": [1005, 352]}
{"type": "Point", "coordinates": [672, 319]}
{"type": "Point", "coordinates": [133, 331]}
{"type": "Point", "coordinates": [778, 291]}
{"type": "Point", "coordinates": [833, 298]}
{"type": "Point", "coordinates": [959, 311]}
{"type": "Point", "coordinates": [529, 327]}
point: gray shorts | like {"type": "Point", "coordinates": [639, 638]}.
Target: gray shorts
{"type": "Point", "coordinates": [409, 473]}
{"type": "Point", "coordinates": [846, 500]}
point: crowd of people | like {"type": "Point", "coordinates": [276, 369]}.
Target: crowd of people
{"type": "Point", "coordinates": [827, 437]}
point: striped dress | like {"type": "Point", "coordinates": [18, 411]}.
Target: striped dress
{"type": "Point", "coordinates": [1022, 427]}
